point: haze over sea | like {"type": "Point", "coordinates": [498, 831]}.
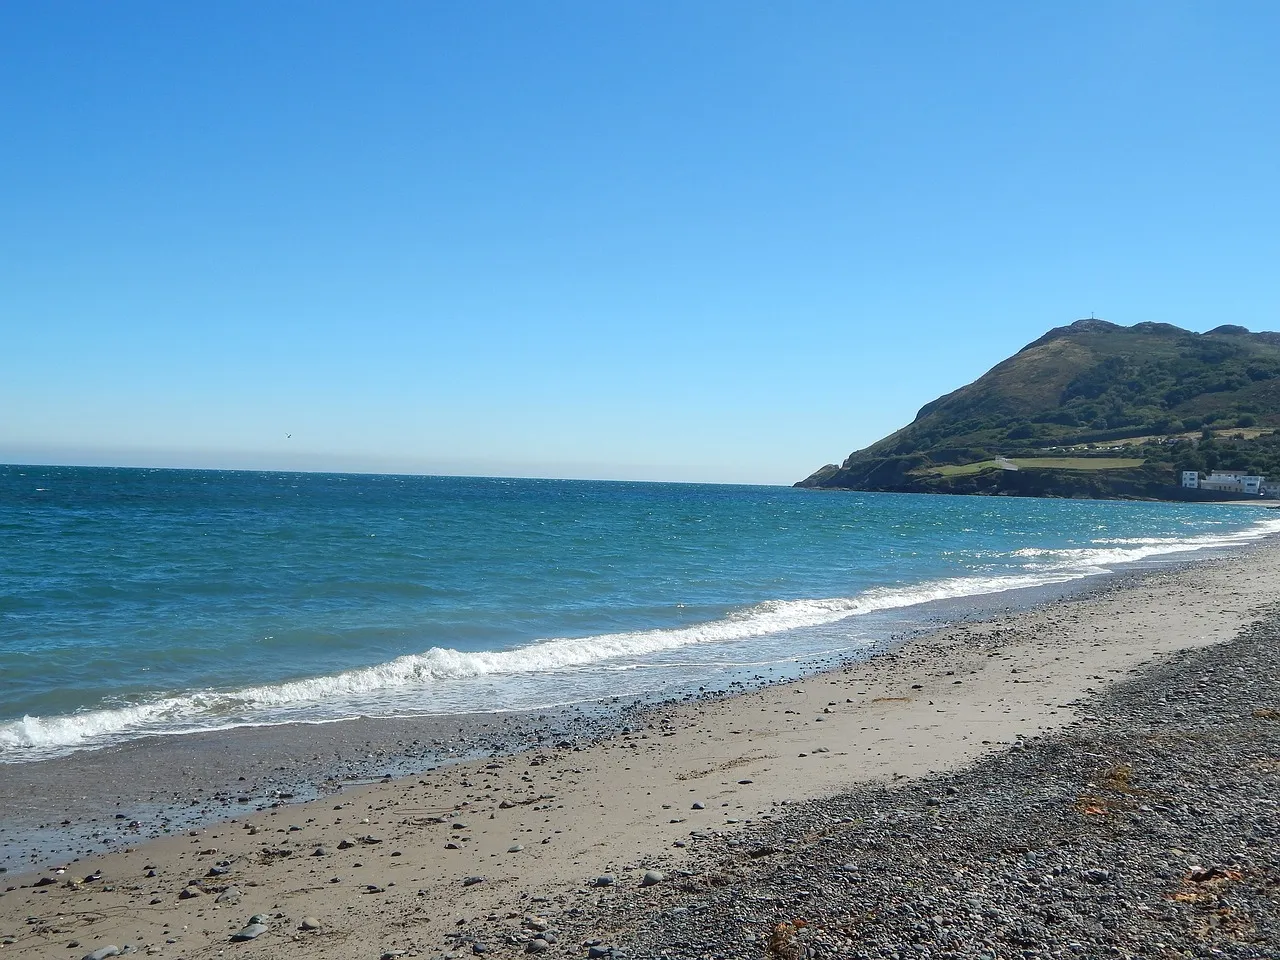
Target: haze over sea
{"type": "Point", "coordinates": [140, 601]}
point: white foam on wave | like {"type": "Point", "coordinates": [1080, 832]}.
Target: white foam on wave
{"type": "Point", "coordinates": [442, 665]}
{"type": "Point", "coordinates": [1108, 552]}
{"type": "Point", "coordinates": [32, 737]}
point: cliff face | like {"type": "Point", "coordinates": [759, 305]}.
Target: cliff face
{"type": "Point", "coordinates": [1092, 391]}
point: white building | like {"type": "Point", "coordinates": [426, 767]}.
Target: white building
{"type": "Point", "coordinates": [1227, 481]}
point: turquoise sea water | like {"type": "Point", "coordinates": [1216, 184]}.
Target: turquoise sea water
{"type": "Point", "coordinates": [135, 602]}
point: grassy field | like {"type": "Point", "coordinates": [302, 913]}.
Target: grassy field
{"type": "Point", "coordinates": [1038, 463]}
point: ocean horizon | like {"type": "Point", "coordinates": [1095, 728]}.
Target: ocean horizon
{"type": "Point", "coordinates": [141, 601]}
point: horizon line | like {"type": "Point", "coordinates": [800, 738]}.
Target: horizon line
{"type": "Point", "coordinates": [388, 473]}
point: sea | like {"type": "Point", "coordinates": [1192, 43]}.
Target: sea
{"type": "Point", "coordinates": [139, 602]}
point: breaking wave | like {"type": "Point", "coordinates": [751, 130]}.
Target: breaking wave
{"type": "Point", "coordinates": [413, 681]}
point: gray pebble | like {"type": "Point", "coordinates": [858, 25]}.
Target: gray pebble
{"type": "Point", "coordinates": [251, 932]}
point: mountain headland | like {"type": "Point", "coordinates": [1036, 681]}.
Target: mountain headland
{"type": "Point", "coordinates": [1093, 410]}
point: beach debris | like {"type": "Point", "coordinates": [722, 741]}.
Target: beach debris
{"type": "Point", "coordinates": [1200, 874]}
{"type": "Point", "coordinates": [698, 805]}
{"type": "Point", "coordinates": [309, 923]}
{"type": "Point", "coordinates": [515, 848]}
{"type": "Point", "coordinates": [346, 843]}
{"type": "Point", "coordinates": [605, 880]}
{"type": "Point", "coordinates": [229, 895]}
{"type": "Point", "coordinates": [111, 950]}
{"type": "Point", "coordinates": [472, 881]}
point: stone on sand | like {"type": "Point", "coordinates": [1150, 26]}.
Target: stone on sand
{"type": "Point", "coordinates": [251, 932]}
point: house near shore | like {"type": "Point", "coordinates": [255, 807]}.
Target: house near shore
{"type": "Point", "coordinates": [1227, 481]}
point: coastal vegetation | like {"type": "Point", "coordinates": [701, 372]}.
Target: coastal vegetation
{"type": "Point", "coordinates": [1034, 463]}
{"type": "Point", "coordinates": [1092, 409]}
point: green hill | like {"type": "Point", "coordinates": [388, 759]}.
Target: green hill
{"type": "Point", "coordinates": [1091, 409]}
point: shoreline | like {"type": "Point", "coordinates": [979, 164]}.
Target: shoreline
{"type": "Point", "coordinates": [537, 827]}
{"type": "Point", "coordinates": [65, 808]}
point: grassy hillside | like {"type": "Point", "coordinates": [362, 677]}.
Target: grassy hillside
{"type": "Point", "coordinates": [1153, 399]}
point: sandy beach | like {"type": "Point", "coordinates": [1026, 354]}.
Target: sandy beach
{"type": "Point", "coordinates": [515, 853]}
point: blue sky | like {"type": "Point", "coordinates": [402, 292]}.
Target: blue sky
{"type": "Point", "coordinates": [691, 241]}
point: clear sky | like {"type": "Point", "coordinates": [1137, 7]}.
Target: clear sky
{"type": "Point", "coordinates": [692, 241]}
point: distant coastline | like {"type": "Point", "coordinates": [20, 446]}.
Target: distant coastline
{"type": "Point", "coordinates": [1092, 411]}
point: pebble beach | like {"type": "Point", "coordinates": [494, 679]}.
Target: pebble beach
{"type": "Point", "coordinates": [1096, 776]}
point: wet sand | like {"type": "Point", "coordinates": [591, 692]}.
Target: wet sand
{"type": "Point", "coordinates": [518, 840]}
